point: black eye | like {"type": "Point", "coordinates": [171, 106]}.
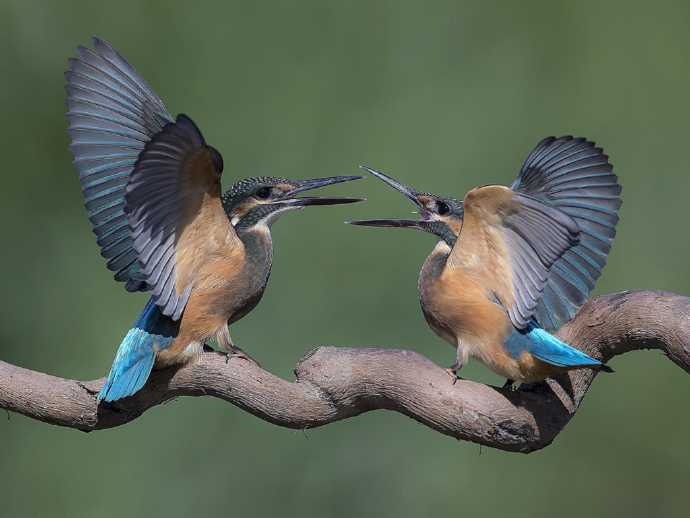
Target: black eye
{"type": "Point", "coordinates": [443, 208]}
{"type": "Point", "coordinates": [262, 193]}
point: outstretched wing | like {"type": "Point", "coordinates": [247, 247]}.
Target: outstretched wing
{"type": "Point", "coordinates": [574, 176]}
{"type": "Point", "coordinates": [512, 240]}
{"type": "Point", "coordinates": [113, 113]}
{"type": "Point", "coordinates": [174, 211]}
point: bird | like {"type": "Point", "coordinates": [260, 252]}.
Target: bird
{"type": "Point", "coordinates": [153, 192]}
{"type": "Point", "coordinates": [512, 263]}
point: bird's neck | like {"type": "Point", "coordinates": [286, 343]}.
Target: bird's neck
{"type": "Point", "coordinates": [258, 247]}
{"type": "Point", "coordinates": [442, 231]}
{"type": "Point", "coordinates": [436, 262]}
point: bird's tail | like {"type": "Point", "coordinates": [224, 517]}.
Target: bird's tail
{"type": "Point", "coordinates": [152, 332]}
{"type": "Point", "coordinates": [549, 349]}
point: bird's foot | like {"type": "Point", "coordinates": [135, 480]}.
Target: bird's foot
{"type": "Point", "coordinates": [239, 353]}
{"type": "Point", "coordinates": [453, 371]}
{"type": "Point", "coordinates": [509, 384]}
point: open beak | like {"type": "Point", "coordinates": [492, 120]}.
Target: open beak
{"type": "Point", "coordinates": [308, 185]}
{"type": "Point", "coordinates": [408, 192]}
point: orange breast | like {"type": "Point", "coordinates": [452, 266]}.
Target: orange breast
{"type": "Point", "coordinates": [226, 285]}
{"type": "Point", "coordinates": [463, 311]}
{"type": "Point", "coordinates": [462, 307]}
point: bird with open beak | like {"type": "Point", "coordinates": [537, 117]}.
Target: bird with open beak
{"type": "Point", "coordinates": [152, 189]}
{"type": "Point", "coordinates": [510, 263]}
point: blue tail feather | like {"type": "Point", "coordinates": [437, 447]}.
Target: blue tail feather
{"type": "Point", "coordinates": [546, 347]}
{"type": "Point", "coordinates": [152, 332]}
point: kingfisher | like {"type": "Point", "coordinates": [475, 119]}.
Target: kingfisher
{"type": "Point", "coordinates": [511, 263]}
{"type": "Point", "coordinates": [152, 188]}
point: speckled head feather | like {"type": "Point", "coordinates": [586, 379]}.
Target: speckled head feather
{"type": "Point", "coordinates": [259, 201]}
{"type": "Point", "coordinates": [243, 190]}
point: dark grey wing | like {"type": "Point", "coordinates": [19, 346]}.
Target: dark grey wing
{"type": "Point", "coordinates": [113, 113]}
{"type": "Point", "coordinates": [174, 180]}
{"type": "Point", "coordinates": [505, 232]}
{"type": "Point", "coordinates": [576, 177]}
{"type": "Point", "coordinates": [536, 237]}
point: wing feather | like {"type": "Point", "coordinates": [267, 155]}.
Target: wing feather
{"type": "Point", "coordinates": [113, 113]}
{"type": "Point", "coordinates": [574, 176]}
{"type": "Point", "coordinates": [173, 181]}
{"type": "Point", "coordinates": [505, 231]}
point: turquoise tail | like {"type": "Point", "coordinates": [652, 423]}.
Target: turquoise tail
{"type": "Point", "coordinates": [151, 332]}
{"type": "Point", "coordinates": [549, 349]}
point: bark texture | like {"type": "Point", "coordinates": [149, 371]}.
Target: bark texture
{"type": "Point", "coordinates": [336, 383]}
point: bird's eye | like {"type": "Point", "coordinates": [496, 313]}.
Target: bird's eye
{"type": "Point", "coordinates": [262, 193]}
{"type": "Point", "coordinates": [443, 208]}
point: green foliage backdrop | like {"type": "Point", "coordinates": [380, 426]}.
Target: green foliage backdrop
{"type": "Point", "coordinates": [442, 95]}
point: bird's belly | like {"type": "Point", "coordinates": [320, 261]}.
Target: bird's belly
{"type": "Point", "coordinates": [466, 315]}
{"type": "Point", "coordinates": [180, 352]}
{"type": "Point", "coordinates": [222, 294]}
{"type": "Point", "coordinates": [460, 311]}
{"type": "Point", "coordinates": [496, 359]}
{"type": "Point", "coordinates": [525, 369]}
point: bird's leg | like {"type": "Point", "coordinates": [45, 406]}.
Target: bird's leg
{"type": "Point", "coordinates": [463, 354]}
{"type": "Point", "coordinates": [224, 339]}
{"type": "Point", "coordinates": [509, 384]}
{"type": "Point", "coordinates": [453, 371]}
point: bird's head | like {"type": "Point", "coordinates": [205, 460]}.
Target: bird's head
{"type": "Point", "coordinates": [439, 215]}
{"type": "Point", "coordinates": [260, 201]}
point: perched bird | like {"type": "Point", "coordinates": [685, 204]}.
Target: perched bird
{"type": "Point", "coordinates": [152, 189]}
{"type": "Point", "coordinates": [510, 263]}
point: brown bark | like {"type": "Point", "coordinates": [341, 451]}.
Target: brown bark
{"type": "Point", "coordinates": [336, 383]}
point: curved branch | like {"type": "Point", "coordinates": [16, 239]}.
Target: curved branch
{"type": "Point", "coordinates": [336, 383]}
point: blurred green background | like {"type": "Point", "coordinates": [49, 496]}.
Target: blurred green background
{"type": "Point", "coordinates": [444, 96]}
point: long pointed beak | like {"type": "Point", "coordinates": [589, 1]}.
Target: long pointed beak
{"type": "Point", "coordinates": [397, 223]}
{"type": "Point", "coordinates": [409, 192]}
{"type": "Point", "coordinates": [308, 185]}
{"type": "Point", "coordinates": [306, 202]}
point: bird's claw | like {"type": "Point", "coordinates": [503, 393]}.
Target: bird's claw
{"type": "Point", "coordinates": [453, 372]}
{"type": "Point", "coordinates": [509, 385]}
{"type": "Point", "coordinates": [239, 353]}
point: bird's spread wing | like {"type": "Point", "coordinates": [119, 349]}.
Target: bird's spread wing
{"type": "Point", "coordinates": [511, 240]}
{"type": "Point", "coordinates": [113, 113]}
{"type": "Point", "coordinates": [574, 176]}
{"type": "Point", "coordinates": [174, 211]}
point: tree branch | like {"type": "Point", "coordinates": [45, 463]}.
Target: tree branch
{"type": "Point", "coordinates": [336, 383]}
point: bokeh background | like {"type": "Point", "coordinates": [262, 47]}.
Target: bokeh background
{"type": "Point", "coordinates": [442, 95]}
